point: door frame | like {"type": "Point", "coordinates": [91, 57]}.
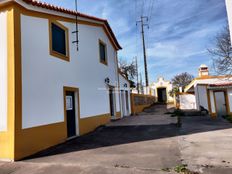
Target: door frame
{"type": "Point", "coordinates": [127, 102]}
{"type": "Point", "coordinates": [162, 87]}
{"type": "Point", "coordinates": [77, 110]}
{"type": "Point", "coordinates": [114, 100]}
{"type": "Point", "coordinates": [226, 100]}
{"type": "Point", "coordinates": [123, 102]}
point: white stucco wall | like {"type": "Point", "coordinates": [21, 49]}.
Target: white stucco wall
{"type": "Point", "coordinates": [44, 76]}
{"type": "Point", "coordinates": [187, 101]}
{"type": "Point", "coordinates": [3, 71]}
{"type": "Point", "coordinates": [229, 14]}
{"type": "Point", "coordinates": [123, 81]}
{"type": "Point", "coordinates": [201, 96]}
{"type": "Point", "coordinates": [229, 93]}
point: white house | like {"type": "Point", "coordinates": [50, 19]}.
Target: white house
{"type": "Point", "coordinates": [161, 89]}
{"type": "Point", "coordinates": [229, 14]}
{"type": "Point", "coordinates": [50, 92]}
{"type": "Point", "coordinates": [213, 93]}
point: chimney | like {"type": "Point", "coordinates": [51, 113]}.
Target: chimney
{"type": "Point", "coordinates": [203, 71]}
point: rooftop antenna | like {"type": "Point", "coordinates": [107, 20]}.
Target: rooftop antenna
{"type": "Point", "coordinates": [76, 32]}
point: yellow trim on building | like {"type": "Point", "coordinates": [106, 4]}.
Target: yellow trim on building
{"type": "Point", "coordinates": [204, 78]}
{"type": "Point", "coordinates": [106, 57]}
{"type": "Point", "coordinates": [209, 101]}
{"type": "Point", "coordinates": [118, 115]}
{"type": "Point", "coordinates": [17, 143]}
{"type": "Point", "coordinates": [226, 100]}
{"type": "Point", "coordinates": [139, 108]}
{"type": "Point", "coordinates": [52, 52]}
{"type": "Point", "coordinates": [7, 139]}
{"type": "Point", "coordinates": [89, 124]}
{"type": "Point", "coordinates": [38, 14]}
{"type": "Point", "coordinates": [32, 140]}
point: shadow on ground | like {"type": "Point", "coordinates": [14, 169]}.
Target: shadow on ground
{"type": "Point", "coordinates": [117, 135]}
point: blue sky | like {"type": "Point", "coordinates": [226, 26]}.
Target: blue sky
{"type": "Point", "coordinates": [180, 30]}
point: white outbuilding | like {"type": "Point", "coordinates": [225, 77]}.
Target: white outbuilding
{"type": "Point", "coordinates": [161, 89]}
{"type": "Point", "coordinates": [211, 93]}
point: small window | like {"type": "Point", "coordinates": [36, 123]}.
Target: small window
{"type": "Point", "coordinates": [103, 52]}
{"type": "Point", "coordinates": [59, 41]}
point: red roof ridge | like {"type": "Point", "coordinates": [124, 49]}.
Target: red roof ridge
{"type": "Point", "coordinates": [49, 6]}
{"type": "Point", "coordinates": [221, 84]}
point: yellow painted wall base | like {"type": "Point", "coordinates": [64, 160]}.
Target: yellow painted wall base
{"type": "Point", "coordinates": [7, 138]}
{"type": "Point", "coordinates": [6, 146]}
{"type": "Point", "coordinates": [139, 108]}
{"type": "Point", "coordinates": [18, 143]}
{"type": "Point", "coordinates": [118, 115]}
{"type": "Point", "coordinates": [32, 140]}
{"type": "Point", "coordinates": [213, 115]}
{"type": "Point", "coordinates": [91, 123]}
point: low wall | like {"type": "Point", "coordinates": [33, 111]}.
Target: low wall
{"type": "Point", "coordinates": [187, 101]}
{"type": "Point", "coordinates": [139, 102]}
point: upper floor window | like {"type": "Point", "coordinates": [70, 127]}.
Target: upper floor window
{"type": "Point", "coordinates": [59, 44]}
{"type": "Point", "coordinates": [103, 52]}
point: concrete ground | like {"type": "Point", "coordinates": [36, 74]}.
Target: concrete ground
{"type": "Point", "coordinates": [143, 144]}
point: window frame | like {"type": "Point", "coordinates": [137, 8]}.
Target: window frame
{"type": "Point", "coordinates": [106, 57]}
{"type": "Point", "coordinates": [53, 52]}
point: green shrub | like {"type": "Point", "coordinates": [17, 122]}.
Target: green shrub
{"type": "Point", "coordinates": [228, 117]}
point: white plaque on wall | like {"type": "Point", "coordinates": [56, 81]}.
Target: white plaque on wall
{"type": "Point", "coordinates": [69, 103]}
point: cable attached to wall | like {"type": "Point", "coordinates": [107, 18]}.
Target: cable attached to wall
{"type": "Point", "coordinates": [77, 30]}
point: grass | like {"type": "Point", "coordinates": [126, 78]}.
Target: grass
{"type": "Point", "coordinates": [183, 169]}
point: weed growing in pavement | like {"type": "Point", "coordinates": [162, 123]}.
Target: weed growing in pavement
{"type": "Point", "coordinates": [183, 169]}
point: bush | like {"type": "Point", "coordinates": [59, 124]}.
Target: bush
{"type": "Point", "coordinates": [228, 118]}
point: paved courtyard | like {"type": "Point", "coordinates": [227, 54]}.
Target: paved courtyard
{"type": "Point", "coordinates": [144, 144]}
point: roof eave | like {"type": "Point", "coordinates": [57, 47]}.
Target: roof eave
{"type": "Point", "coordinates": [69, 12]}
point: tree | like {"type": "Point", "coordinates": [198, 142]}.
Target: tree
{"type": "Point", "coordinates": [222, 53]}
{"type": "Point", "coordinates": [128, 70]}
{"type": "Point", "coordinates": [180, 80]}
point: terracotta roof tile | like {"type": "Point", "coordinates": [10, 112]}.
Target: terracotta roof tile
{"type": "Point", "coordinates": [221, 84]}
{"type": "Point", "coordinates": [72, 12]}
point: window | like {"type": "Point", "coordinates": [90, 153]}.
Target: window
{"type": "Point", "coordinates": [59, 41]}
{"type": "Point", "coordinates": [103, 52]}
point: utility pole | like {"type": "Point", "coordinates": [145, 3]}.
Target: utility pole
{"type": "Point", "coordinates": [144, 46]}
{"type": "Point", "coordinates": [137, 73]}
{"type": "Point", "coordinates": [141, 84]}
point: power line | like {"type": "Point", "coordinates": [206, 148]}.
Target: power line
{"type": "Point", "coordinates": [142, 7]}
{"type": "Point", "coordinates": [151, 10]}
